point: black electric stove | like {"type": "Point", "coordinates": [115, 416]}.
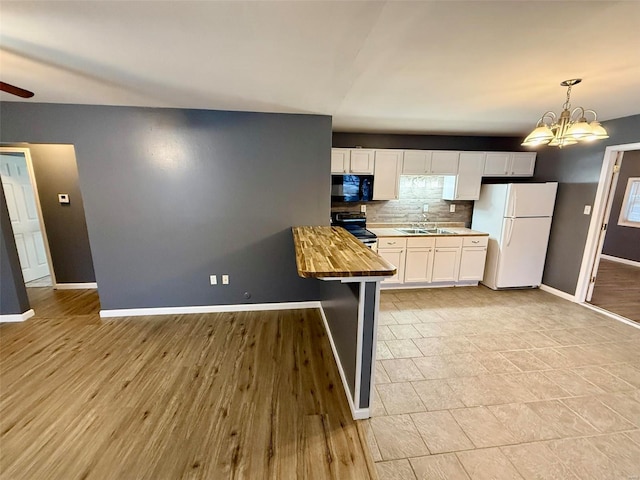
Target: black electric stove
{"type": "Point", "coordinates": [355, 224]}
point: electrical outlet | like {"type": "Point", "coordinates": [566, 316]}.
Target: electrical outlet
{"type": "Point", "coordinates": [213, 279]}
{"type": "Point", "coordinates": [452, 208]}
{"type": "Point", "coordinates": [587, 209]}
{"type": "Point", "coordinates": [425, 208]}
{"type": "Point", "coordinates": [363, 208]}
{"type": "Point", "coordinates": [225, 279]}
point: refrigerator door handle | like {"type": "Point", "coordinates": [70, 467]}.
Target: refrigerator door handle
{"type": "Point", "coordinates": [510, 231]}
{"type": "Point", "coordinates": [515, 203]}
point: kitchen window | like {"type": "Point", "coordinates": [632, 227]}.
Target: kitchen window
{"type": "Point", "coordinates": [630, 211]}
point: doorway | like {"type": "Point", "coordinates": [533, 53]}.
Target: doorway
{"type": "Point", "coordinates": [610, 275]}
{"type": "Point", "coordinates": [21, 196]}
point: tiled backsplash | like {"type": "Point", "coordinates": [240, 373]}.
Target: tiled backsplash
{"type": "Point", "coordinates": [415, 191]}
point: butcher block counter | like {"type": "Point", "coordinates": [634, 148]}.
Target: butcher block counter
{"type": "Point", "coordinates": [328, 252]}
{"type": "Point", "coordinates": [348, 277]}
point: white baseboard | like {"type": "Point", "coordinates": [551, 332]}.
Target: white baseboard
{"type": "Point", "coordinates": [633, 263]}
{"type": "Point", "coordinates": [558, 293]}
{"type": "Point", "coordinates": [20, 317]}
{"type": "Point", "coordinates": [137, 312]}
{"type": "Point", "coordinates": [356, 413]}
{"type": "Point", "coordinates": [615, 316]}
{"type": "Point", "coordinates": [74, 286]}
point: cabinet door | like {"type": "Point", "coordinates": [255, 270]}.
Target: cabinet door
{"type": "Point", "coordinates": [386, 174]}
{"type": "Point", "coordinates": [446, 264]}
{"type": "Point", "coordinates": [523, 163]}
{"type": "Point", "coordinates": [472, 263]}
{"type": "Point", "coordinates": [339, 160]}
{"type": "Point", "coordinates": [444, 162]}
{"type": "Point", "coordinates": [466, 186]}
{"type": "Point", "coordinates": [418, 265]}
{"type": "Point", "coordinates": [416, 162]}
{"type": "Point", "coordinates": [362, 160]}
{"type": "Point", "coordinates": [395, 256]}
{"type": "Point", "coordinates": [497, 164]}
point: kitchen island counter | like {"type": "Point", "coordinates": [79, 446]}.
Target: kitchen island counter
{"type": "Point", "coordinates": [332, 252]}
{"type": "Point", "coordinates": [348, 276]}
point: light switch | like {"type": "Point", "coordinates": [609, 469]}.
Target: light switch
{"type": "Point", "coordinates": [587, 209]}
{"type": "Point", "coordinates": [63, 198]}
{"type": "Point", "coordinates": [425, 208]}
{"type": "Point", "coordinates": [213, 279]}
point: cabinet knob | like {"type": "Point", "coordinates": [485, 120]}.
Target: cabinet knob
{"type": "Point", "coordinates": [392, 243]}
{"type": "Point", "coordinates": [475, 241]}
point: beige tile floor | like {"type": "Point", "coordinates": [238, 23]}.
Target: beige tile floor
{"type": "Point", "coordinates": [476, 384]}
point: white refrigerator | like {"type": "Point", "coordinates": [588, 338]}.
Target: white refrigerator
{"type": "Point", "coordinates": [517, 217]}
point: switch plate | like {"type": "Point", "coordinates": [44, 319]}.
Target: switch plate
{"type": "Point", "coordinates": [63, 198]}
{"type": "Point", "coordinates": [363, 208]}
{"type": "Point", "coordinates": [225, 279]}
{"type": "Point", "coordinates": [587, 209]}
{"type": "Point", "coordinates": [452, 208]}
{"type": "Point", "coordinates": [425, 208]}
{"type": "Point", "coordinates": [213, 279]}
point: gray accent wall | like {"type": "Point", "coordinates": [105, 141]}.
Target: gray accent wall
{"type": "Point", "coordinates": [13, 294]}
{"type": "Point", "coordinates": [56, 172]}
{"type": "Point", "coordinates": [577, 170]}
{"type": "Point", "coordinates": [623, 241]}
{"type": "Point", "coordinates": [172, 196]}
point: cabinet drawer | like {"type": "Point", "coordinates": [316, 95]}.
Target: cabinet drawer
{"type": "Point", "coordinates": [392, 242]}
{"type": "Point", "coordinates": [475, 241]}
{"type": "Point", "coordinates": [421, 242]}
{"type": "Point", "coordinates": [448, 242]}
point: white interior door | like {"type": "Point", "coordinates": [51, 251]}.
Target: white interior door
{"type": "Point", "coordinates": [23, 213]}
{"type": "Point", "coordinates": [603, 232]}
{"type": "Point", "coordinates": [531, 199]}
{"type": "Point", "coordinates": [523, 250]}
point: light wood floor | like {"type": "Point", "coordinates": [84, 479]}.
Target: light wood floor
{"type": "Point", "coordinates": [617, 289]}
{"type": "Point", "coordinates": [216, 396]}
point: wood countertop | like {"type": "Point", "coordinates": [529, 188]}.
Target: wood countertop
{"type": "Point", "coordinates": [325, 252]}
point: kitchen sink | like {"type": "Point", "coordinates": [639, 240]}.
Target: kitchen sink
{"type": "Point", "coordinates": [440, 230]}
{"type": "Point", "coordinates": [423, 231]}
{"type": "Point", "coordinates": [413, 230]}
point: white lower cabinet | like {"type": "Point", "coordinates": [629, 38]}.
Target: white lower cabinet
{"type": "Point", "coordinates": [434, 259]}
{"type": "Point", "coordinates": [474, 254]}
{"type": "Point", "coordinates": [446, 259]}
{"type": "Point", "coordinates": [419, 259]}
{"type": "Point", "coordinates": [393, 250]}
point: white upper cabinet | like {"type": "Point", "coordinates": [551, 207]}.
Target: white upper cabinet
{"type": "Point", "coordinates": [416, 162]}
{"type": "Point", "coordinates": [506, 164]}
{"type": "Point", "coordinates": [430, 162]}
{"type": "Point", "coordinates": [523, 163]}
{"type": "Point", "coordinates": [340, 160]}
{"type": "Point", "coordinates": [465, 185]}
{"type": "Point", "coordinates": [362, 160]}
{"type": "Point", "coordinates": [352, 160]}
{"type": "Point", "coordinates": [444, 162]}
{"type": "Point", "coordinates": [386, 174]}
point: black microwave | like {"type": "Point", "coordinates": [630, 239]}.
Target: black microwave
{"type": "Point", "coordinates": [351, 188]}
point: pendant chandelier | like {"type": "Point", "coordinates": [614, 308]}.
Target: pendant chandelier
{"type": "Point", "coordinates": [569, 128]}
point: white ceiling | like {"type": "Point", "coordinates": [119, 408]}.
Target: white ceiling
{"type": "Point", "coordinates": [472, 67]}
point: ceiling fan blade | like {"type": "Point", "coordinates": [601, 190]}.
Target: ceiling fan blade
{"type": "Point", "coordinates": [12, 89]}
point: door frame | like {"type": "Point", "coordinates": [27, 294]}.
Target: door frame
{"type": "Point", "coordinates": [34, 185]}
{"type": "Point", "coordinates": [593, 246]}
